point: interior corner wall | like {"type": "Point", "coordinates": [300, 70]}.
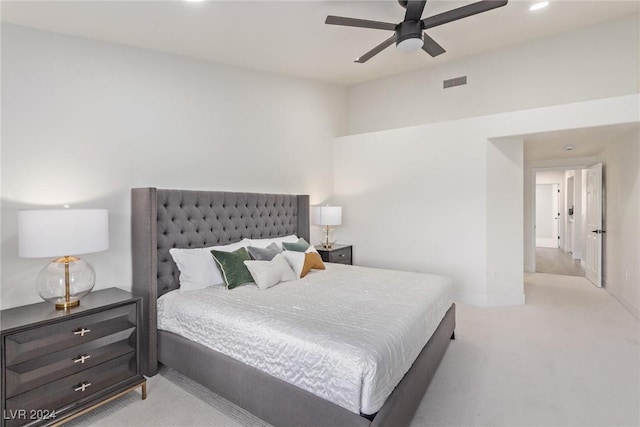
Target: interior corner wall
{"type": "Point", "coordinates": [595, 62]}
{"type": "Point", "coordinates": [447, 198]}
{"type": "Point", "coordinates": [84, 121]}
{"type": "Point", "coordinates": [621, 176]}
{"type": "Point", "coordinates": [439, 199]}
{"type": "Point", "coordinates": [413, 200]}
{"type": "Point", "coordinates": [505, 158]}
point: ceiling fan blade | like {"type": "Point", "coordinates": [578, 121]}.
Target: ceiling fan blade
{"type": "Point", "coordinates": [461, 12]}
{"type": "Point", "coordinates": [431, 46]}
{"type": "Point", "coordinates": [414, 10]}
{"type": "Point", "coordinates": [376, 50]}
{"type": "Point", "coordinates": [361, 23]}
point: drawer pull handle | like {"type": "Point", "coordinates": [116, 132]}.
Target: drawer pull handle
{"type": "Point", "coordinates": [343, 255]}
{"type": "Point", "coordinates": [81, 358]}
{"type": "Point", "coordinates": [82, 331]}
{"type": "Point", "coordinates": [82, 387]}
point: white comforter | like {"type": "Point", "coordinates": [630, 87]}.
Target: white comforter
{"type": "Point", "coordinates": [347, 334]}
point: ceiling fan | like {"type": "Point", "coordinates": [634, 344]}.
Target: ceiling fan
{"type": "Point", "coordinates": [409, 34]}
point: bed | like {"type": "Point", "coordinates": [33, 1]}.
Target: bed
{"type": "Point", "coordinates": [163, 219]}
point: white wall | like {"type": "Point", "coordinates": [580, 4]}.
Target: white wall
{"type": "Point", "coordinates": [550, 177]}
{"type": "Point", "coordinates": [406, 207]}
{"type": "Point", "coordinates": [505, 268]}
{"type": "Point", "coordinates": [447, 197]}
{"type": "Point", "coordinates": [595, 62]}
{"type": "Point", "coordinates": [621, 162]}
{"type": "Point", "coordinates": [84, 121]}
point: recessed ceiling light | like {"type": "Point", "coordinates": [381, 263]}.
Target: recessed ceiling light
{"type": "Point", "coordinates": [540, 5]}
{"type": "Point", "coordinates": [569, 147]}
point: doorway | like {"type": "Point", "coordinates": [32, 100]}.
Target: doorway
{"type": "Point", "coordinates": [558, 228]}
{"type": "Point", "coordinates": [616, 148]}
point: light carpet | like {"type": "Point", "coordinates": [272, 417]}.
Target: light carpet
{"type": "Point", "coordinates": [556, 261]}
{"type": "Point", "coordinates": [569, 357]}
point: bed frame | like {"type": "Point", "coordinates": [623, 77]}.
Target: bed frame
{"type": "Point", "coordinates": [162, 219]}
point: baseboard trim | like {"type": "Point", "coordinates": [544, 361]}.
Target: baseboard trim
{"type": "Point", "coordinates": [623, 300]}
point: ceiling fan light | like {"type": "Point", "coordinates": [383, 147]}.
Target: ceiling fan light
{"type": "Point", "coordinates": [410, 45]}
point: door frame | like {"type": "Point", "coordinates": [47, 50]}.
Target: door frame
{"type": "Point", "coordinates": [530, 201]}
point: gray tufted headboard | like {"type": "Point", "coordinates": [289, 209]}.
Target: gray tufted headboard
{"type": "Point", "coordinates": [165, 219]}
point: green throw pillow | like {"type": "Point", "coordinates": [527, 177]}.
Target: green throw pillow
{"type": "Point", "coordinates": [231, 265]}
{"type": "Point", "coordinates": [300, 246]}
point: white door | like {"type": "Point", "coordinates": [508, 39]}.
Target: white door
{"type": "Point", "coordinates": [593, 239]}
{"type": "Point", "coordinates": [547, 215]}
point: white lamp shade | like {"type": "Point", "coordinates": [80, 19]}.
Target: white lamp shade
{"type": "Point", "coordinates": [328, 215]}
{"type": "Point", "coordinates": [60, 232]}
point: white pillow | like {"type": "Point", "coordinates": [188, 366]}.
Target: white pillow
{"type": "Point", "coordinates": [263, 243]}
{"type": "Point", "coordinates": [197, 267]}
{"type": "Point", "coordinates": [269, 273]}
{"type": "Point", "coordinates": [296, 259]}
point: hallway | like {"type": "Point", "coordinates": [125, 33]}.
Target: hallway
{"type": "Point", "coordinates": [555, 261]}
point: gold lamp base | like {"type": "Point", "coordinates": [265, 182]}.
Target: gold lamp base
{"type": "Point", "coordinates": [77, 276]}
{"type": "Point", "coordinates": [327, 243]}
{"type": "Point", "coordinates": [69, 301]}
{"type": "Point", "coordinates": [64, 305]}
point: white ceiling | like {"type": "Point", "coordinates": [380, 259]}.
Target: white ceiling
{"type": "Point", "coordinates": [290, 37]}
{"type": "Point", "coordinates": [588, 142]}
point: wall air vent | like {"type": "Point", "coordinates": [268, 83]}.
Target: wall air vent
{"type": "Point", "coordinates": [457, 81]}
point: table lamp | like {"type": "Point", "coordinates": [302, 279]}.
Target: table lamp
{"type": "Point", "coordinates": [327, 216]}
{"type": "Point", "coordinates": [63, 233]}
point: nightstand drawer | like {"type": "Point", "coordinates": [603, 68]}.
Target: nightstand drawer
{"type": "Point", "coordinates": [41, 341]}
{"type": "Point", "coordinates": [60, 395]}
{"type": "Point", "coordinates": [341, 256]}
{"type": "Point", "coordinates": [51, 367]}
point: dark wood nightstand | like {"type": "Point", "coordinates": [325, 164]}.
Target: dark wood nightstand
{"type": "Point", "coordinates": [341, 254]}
{"type": "Point", "coordinates": [57, 365]}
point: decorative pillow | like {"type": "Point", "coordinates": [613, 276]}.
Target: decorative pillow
{"type": "Point", "coordinates": [263, 254]}
{"type": "Point", "coordinates": [269, 273]}
{"type": "Point", "coordinates": [300, 246]}
{"type": "Point", "coordinates": [263, 243]}
{"type": "Point", "coordinates": [302, 262]}
{"type": "Point", "coordinates": [231, 264]}
{"type": "Point", "coordinates": [197, 268]}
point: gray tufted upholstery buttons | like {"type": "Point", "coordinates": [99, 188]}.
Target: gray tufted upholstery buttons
{"type": "Point", "coordinates": [193, 219]}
